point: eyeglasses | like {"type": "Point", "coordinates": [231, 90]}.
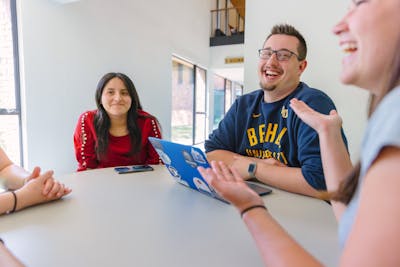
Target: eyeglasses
{"type": "Point", "coordinates": [281, 55]}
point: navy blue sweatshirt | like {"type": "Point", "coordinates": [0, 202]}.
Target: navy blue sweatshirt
{"type": "Point", "coordinates": [254, 128]}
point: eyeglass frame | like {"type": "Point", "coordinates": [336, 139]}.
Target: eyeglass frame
{"type": "Point", "coordinates": [276, 53]}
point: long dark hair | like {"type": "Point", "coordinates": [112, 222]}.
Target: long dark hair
{"type": "Point", "coordinates": [102, 121]}
{"type": "Point", "coordinates": [348, 187]}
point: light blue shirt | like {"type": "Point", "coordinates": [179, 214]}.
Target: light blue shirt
{"type": "Point", "coordinates": [383, 129]}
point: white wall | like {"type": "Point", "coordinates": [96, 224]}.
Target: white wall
{"type": "Point", "coordinates": [65, 49]}
{"type": "Point", "coordinates": [315, 20]}
{"type": "Point", "coordinates": [232, 71]}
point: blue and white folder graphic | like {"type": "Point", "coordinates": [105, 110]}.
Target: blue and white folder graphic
{"type": "Point", "coordinates": [182, 162]}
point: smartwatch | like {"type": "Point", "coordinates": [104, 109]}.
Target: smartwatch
{"type": "Point", "coordinates": [252, 169]}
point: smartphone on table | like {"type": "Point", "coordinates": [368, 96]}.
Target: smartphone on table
{"type": "Point", "coordinates": [134, 168]}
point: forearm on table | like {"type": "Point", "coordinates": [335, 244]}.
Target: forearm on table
{"type": "Point", "coordinates": [20, 199]}
{"type": "Point", "coordinates": [7, 202]}
{"type": "Point", "coordinates": [221, 155]}
{"type": "Point", "coordinates": [287, 178]}
{"type": "Point", "coordinates": [14, 176]}
{"type": "Point", "coordinates": [276, 246]}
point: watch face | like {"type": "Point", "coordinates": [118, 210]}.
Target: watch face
{"type": "Point", "coordinates": [252, 168]}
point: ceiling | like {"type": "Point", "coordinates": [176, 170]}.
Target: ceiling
{"type": "Point", "coordinates": [233, 74]}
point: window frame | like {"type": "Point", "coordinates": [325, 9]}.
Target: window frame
{"type": "Point", "coordinates": [17, 85]}
{"type": "Point", "coordinates": [230, 86]}
{"type": "Point", "coordinates": [195, 112]}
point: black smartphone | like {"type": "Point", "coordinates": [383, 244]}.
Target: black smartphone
{"type": "Point", "coordinates": [259, 188]}
{"type": "Point", "coordinates": [134, 168]}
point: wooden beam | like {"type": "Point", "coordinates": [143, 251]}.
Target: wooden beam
{"type": "Point", "coordinates": [240, 6]}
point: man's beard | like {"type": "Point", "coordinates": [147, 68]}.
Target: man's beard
{"type": "Point", "coordinates": [269, 88]}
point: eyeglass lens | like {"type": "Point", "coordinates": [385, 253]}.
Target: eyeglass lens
{"type": "Point", "coordinates": [281, 55]}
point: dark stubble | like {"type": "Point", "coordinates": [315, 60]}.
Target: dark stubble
{"type": "Point", "coordinates": [269, 88]}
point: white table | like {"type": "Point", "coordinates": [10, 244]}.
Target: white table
{"type": "Point", "coordinates": [147, 219]}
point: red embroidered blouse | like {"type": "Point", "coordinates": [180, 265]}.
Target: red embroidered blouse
{"type": "Point", "coordinates": [85, 140]}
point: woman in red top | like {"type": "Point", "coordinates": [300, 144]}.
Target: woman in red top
{"type": "Point", "coordinates": [115, 134]}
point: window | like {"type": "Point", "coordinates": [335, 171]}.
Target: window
{"type": "Point", "coordinates": [189, 94]}
{"type": "Point", "coordinates": [225, 93]}
{"type": "Point", "coordinates": [237, 89]}
{"type": "Point", "coordinates": [201, 105]}
{"type": "Point", "coordinates": [10, 108]}
{"type": "Point", "coordinates": [228, 94]}
{"type": "Point", "coordinates": [219, 99]}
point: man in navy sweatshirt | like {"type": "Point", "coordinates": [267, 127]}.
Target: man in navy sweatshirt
{"type": "Point", "coordinates": [261, 136]}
